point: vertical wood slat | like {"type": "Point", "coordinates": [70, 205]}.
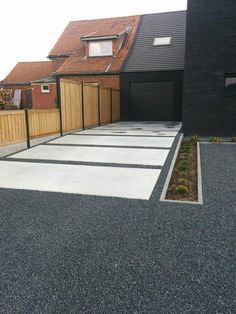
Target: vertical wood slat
{"type": "Point", "coordinates": [71, 105]}
{"type": "Point", "coordinates": [105, 109]}
{"type": "Point", "coordinates": [12, 126]}
{"type": "Point", "coordinates": [43, 122]}
{"type": "Point", "coordinates": [115, 105]}
{"type": "Point", "coordinates": [91, 115]}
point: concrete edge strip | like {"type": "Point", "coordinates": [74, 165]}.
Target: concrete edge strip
{"type": "Point", "coordinates": [169, 175]}
{"type": "Point", "coordinates": [199, 175]}
{"type": "Point", "coordinates": [221, 143]}
{"type": "Point", "coordinates": [167, 181]}
{"type": "Point", "coordinates": [110, 146]}
{"type": "Point", "coordinates": [80, 163]}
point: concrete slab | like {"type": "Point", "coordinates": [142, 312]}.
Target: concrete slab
{"type": "Point", "coordinates": [127, 132]}
{"type": "Point", "coordinates": [150, 157]}
{"type": "Point", "coordinates": [102, 181]}
{"type": "Point", "coordinates": [162, 142]}
{"type": "Point", "coordinates": [145, 125]}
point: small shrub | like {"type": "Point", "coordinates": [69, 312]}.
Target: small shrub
{"type": "Point", "coordinates": [184, 157]}
{"type": "Point", "coordinates": [183, 163]}
{"type": "Point", "coordinates": [215, 140]}
{"type": "Point", "coordinates": [195, 139]}
{"type": "Point", "coordinates": [183, 168]}
{"type": "Point", "coordinates": [182, 181]}
{"type": "Point", "coordinates": [181, 189]}
{"type": "Point", "coordinates": [233, 139]}
{"type": "Point", "coordinates": [183, 174]}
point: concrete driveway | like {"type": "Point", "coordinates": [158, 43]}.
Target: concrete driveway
{"type": "Point", "coordinates": [119, 160]}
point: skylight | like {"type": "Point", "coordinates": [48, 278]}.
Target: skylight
{"type": "Point", "coordinates": [162, 41]}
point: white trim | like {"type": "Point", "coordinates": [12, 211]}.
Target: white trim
{"type": "Point", "coordinates": [169, 175]}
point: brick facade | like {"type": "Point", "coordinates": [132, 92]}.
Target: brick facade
{"type": "Point", "coordinates": [210, 54]}
{"type": "Point", "coordinates": [44, 100]}
{"type": "Point", "coordinates": [105, 81]}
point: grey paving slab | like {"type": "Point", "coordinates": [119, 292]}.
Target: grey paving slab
{"type": "Point", "coordinates": [92, 180]}
{"type": "Point", "coordinates": [127, 132]}
{"type": "Point", "coordinates": [150, 157]}
{"type": "Point", "coordinates": [162, 142]}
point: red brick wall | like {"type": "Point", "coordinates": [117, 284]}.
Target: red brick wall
{"type": "Point", "coordinates": [106, 81]}
{"type": "Point", "coordinates": [44, 100]}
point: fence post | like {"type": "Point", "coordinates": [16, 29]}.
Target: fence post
{"type": "Point", "coordinates": [99, 118]}
{"type": "Point", "coordinates": [27, 128]}
{"type": "Point", "coordinates": [82, 98]}
{"type": "Point", "coordinates": [111, 103]}
{"type": "Point", "coordinates": [58, 81]}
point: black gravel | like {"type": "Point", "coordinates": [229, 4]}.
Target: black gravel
{"type": "Point", "coordinates": [63, 253]}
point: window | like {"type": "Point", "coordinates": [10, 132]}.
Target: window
{"type": "Point", "coordinates": [230, 84]}
{"type": "Point", "coordinates": [161, 41]}
{"type": "Point", "coordinates": [100, 48]}
{"type": "Point", "coordinates": [45, 88]}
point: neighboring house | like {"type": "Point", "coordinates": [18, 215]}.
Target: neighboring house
{"type": "Point", "coordinates": [152, 76]}
{"type": "Point", "coordinates": [94, 50]}
{"type": "Point", "coordinates": [209, 104]}
{"type": "Point", "coordinates": [35, 81]}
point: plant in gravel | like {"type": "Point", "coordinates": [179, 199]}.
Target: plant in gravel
{"type": "Point", "coordinates": [183, 163]}
{"type": "Point", "coordinates": [183, 174]}
{"type": "Point", "coordinates": [182, 181]}
{"type": "Point", "coordinates": [183, 157]}
{"type": "Point", "coordinates": [233, 139]}
{"type": "Point", "coordinates": [215, 139]}
{"type": "Point", "coordinates": [183, 168]}
{"type": "Point", "coordinates": [194, 138]}
{"type": "Point", "coordinates": [182, 189]}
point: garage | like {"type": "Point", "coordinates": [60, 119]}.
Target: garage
{"type": "Point", "coordinates": [151, 80]}
{"type": "Point", "coordinates": [152, 101]}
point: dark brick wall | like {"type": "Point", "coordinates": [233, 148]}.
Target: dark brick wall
{"type": "Point", "coordinates": [210, 53]}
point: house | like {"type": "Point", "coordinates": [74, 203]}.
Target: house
{"type": "Point", "coordinates": [209, 93]}
{"type": "Point", "coordinates": [94, 51]}
{"type": "Point", "coordinates": [152, 75]}
{"type": "Point", "coordinates": [35, 80]}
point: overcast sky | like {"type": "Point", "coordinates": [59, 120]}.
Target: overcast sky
{"type": "Point", "coordinates": [29, 28]}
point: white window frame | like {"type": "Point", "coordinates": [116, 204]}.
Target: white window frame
{"type": "Point", "coordinates": [43, 90]}
{"type": "Point", "coordinates": [162, 41]}
{"type": "Point", "coordinates": [102, 54]}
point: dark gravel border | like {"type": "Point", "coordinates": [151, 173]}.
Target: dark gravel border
{"type": "Point", "coordinates": [63, 253]}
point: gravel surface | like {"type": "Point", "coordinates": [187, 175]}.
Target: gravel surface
{"type": "Point", "coordinates": [63, 253]}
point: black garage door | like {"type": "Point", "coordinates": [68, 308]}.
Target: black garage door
{"type": "Point", "coordinates": [152, 101]}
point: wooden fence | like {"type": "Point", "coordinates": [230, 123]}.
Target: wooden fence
{"type": "Point", "coordinates": [82, 106]}
{"type": "Point", "coordinates": [12, 126]}
{"type": "Point", "coordinates": [43, 122]}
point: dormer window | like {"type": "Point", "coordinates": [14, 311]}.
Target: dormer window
{"type": "Point", "coordinates": [100, 48]}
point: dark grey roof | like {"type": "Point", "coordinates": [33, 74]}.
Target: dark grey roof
{"type": "Point", "coordinates": [144, 56]}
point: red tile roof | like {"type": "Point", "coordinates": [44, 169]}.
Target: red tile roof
{"type": "Point", "coordinates": [103, 32]}
{"type": "Point", "coordinates": [70, 43]}
{"type": "Point", "coordinates": [25, 72]}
